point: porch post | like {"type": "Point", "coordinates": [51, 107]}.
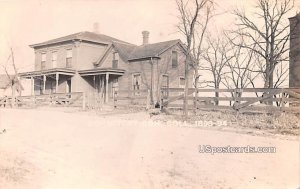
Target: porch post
{"type": "Point", "coordinates": [102, 87]}
{"type": "Point", "coordinates": [44, 86]}
{"type": "Point", "coordinates": [94, 80]}
{"type": "Point", "coordinates": [32, 85]}
{"type": "Point", "coordinates": [106, 90]}
{"type": "Point", "coordinates": [56, 86]}
{"type": "Point", "coordinates": [99, 84]}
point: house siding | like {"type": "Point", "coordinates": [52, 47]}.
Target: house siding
{"type": "Point", "coordinates": [87, 54]}
{"type": "Point", "coordinates": [160, 67]}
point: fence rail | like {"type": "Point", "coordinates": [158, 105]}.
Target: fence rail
{"type": "Point", "coordinates": [248, 99]}
{"type": "Point", "coordinates": [126, 98]}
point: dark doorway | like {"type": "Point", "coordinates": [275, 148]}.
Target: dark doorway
{"type": "Point", "coordinates": [69, 86]}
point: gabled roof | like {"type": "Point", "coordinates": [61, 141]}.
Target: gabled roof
{"type": "Point", "coordinates": [129, 52]}
{"type": "Point", "coordinates": [154, 50]}
{"type": "Point", "coordinates": [84, 36]}
{"type": "Point", "coordinates": [151, 50]}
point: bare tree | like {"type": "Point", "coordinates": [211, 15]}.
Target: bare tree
{"type": "Point", "coordinates": [193, 18]}
{"type": "Point", "coordinates": [14, 82]}
{"type": "Point", "coordinates": [216, 57]}
{"type": "Point", "coordinates": [266, 34]}
{"type": "Point", "coordinates": [242, 68]}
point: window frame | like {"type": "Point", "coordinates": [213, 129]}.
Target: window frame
{"type": "Point", "coordinates": [115, 61]}
{"type": "Point", "coordinates": [69, 59]}
{"type": "Point", "coordinates": [173, 60]}
{"type": "Point", "coordinates": [54, 60]}
{"type": "Point", "coordinates": [136, 91]}
{"type": "Point", "coordinates": [43, 60]}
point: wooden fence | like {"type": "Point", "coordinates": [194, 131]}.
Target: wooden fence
{"type": "Point", "coordinates": [129, 98]}
{"type": "Point", "coordinates": [75, 99]}
{"type": "Point", "coordinates": [248, 99]}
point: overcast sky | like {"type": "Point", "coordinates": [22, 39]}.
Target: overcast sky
{"type": "Point", "coordinates": [27, 22]}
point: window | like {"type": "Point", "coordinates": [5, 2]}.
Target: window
{"type": "Point", "coordinates": [43, 62]}
{"type": "Point", "coordinates": [136, 81]}
{"type": "Point", "coordinates": [181, 82]}
{"type": "Point", "coordinates": [115, 60]}
{"type": "Point", "coordinates": [174, 59]}
{"type": "Point", "coordinates": [165, 85]}
{"type": "Point", "coordinates": [165, 81]}
{"type": "Point", "coordinates": [69, 58]}
{"type": "Point", "coordinates": [54, 59]}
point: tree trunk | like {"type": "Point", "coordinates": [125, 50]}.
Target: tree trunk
{"type": "Point", "coordinates": [196, 91]}
{"type": "Point", "coordinates": [186, 87]}
{"type": "Point", "coordinates": [217, 98]}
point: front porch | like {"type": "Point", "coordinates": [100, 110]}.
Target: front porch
{"type": "Point", "coordinates": [103, 82]}
{"type": "Point", "coordinates": [50, 81]}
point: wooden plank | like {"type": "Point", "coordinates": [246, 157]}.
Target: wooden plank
{"type": "Point", "coordinates": [130, 97]}
{"type": "Point", "coordinates": [176, 98]}
{"type": "Point", "coordinates": [211, 98]}
{"type": "Point", "coordinates": [270, 95]}
{"type": "Point", "coordinates": [213, 107]}
{"type": "Point", "coordinates": [199, 90]}
{"type": "Point", "coordinates": [261, 90]}
{"type": "Point", "coordinates": [131, 91]}
{"type": "Point", "coordinates": [292, 93]}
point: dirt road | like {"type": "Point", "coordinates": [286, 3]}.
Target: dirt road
{"type": "Point", "coordinates": [50, 149]}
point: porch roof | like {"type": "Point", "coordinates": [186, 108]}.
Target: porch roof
{"type": "Point", "coordinates": [101, 71]}
{"type": "Point", "coordinates": [61, 71]}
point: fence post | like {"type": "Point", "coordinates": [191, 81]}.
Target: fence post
{"type": "Point", "coordinates": [161, 100]}
{"type": "Point", "coordinates": [115, 99]}
{"type": "Point", "coordinates": [83, 101]}
{"type": "Point", "coordinates": [235, 96]}
{"type": "Point", "coordinates": [282, 101]}
{"type": "Point", "coordinates": [196, 101]}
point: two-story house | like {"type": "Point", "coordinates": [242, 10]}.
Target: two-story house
{"type": "Point", "coordinates": [95, 63]}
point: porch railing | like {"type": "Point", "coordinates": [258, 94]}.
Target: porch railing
{"type": "Point", "coordinates": [74, 99]}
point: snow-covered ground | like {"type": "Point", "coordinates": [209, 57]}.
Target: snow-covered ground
{"type": "Point", "coordinates": [54, 149]}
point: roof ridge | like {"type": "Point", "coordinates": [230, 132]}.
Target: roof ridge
{"type": "Point", "coordinates": [123, 43]}
{"type": "Point", "coordinates": [160, 42]}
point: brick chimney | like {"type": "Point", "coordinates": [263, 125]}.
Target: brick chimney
{"type": "Point", "coordinates": [145, 37]}
{"type": "Point", "coordinates": [96, 27]}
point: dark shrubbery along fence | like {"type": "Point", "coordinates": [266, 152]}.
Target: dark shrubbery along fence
{"type": "Point", "coordinates": [248, 99]}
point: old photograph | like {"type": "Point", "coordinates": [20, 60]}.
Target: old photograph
{"type": "Point", "coordinates": [149, 94]}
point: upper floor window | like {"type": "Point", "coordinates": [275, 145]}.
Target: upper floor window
{"type": "Point", "coordinates": [43, 62]}
{"type": "Point", "coordinates": [115, 60]}
{"type": "Point", "coordinates": [54, 59]}
{"type": "Point", "coordinates": [69, 58]}
{"type": "Point", "coordinates": [136, 81]}
{"type": "Point", "coordinates": [174, 59]}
